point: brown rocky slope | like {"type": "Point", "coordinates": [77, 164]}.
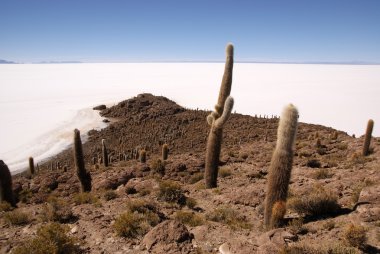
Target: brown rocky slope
{"type": "Point", "coordinates": [166, 208]}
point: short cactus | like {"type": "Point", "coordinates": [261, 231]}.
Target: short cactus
{"type": "Point", "coordinates": [280, 167]}
{"type": "Point", "coordinates": [105, 153]}
{"type": "Point", "coordinates": [368, 136]}
{"type": "Point", "coordinates": [6, 191]}
{"type": "Point", "coordinates": [165, 152]}
{"type": "Point", "coordinates": [31, 166]}
{"type": "Point", "coordinates": [217, 119]}
{"type": "Point", "coordinates": [142, 156]}
{"type": "Point", "coordinates": [83, 175]}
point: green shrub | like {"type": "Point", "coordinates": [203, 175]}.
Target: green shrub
{"type": "Point", "coordinates": [50, 238]}
{"type": "Point", "coordinates": [318, 203]}
{"type": "Point", "coordinates": [228, 216]}
{"type": "Point", "coordinates": [146, 210]}
{"type": "Point", "coordinates": [356, 236]}
{"type": "Point", "coordinates": [189, 218]}
{"type": "Point", "coordinates": [172, 192]}
{"type": "Point", "coordinates": [16, 217]}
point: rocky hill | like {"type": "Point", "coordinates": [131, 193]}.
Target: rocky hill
{"type": "Point", "coordinates": [163, 207]}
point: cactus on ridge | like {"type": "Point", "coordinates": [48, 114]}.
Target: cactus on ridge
{"type": "Point", "coordinates": [83, 175]}
{"type": "Point", "coordinates": [368, 136]}
{"type": "Point", "coordinates": [165, 152]}
{"type": "Point", "coordinates": [6, 191]}
{"type": "Point", "coordinates": [280, 168]}
{"type": "Point", "coordinates": [105, 153]}
{"type": "Point", "coordinates": [217, 119]}
{"type": "Point", "coordinates": [31, 166]}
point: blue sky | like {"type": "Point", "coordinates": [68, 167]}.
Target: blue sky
{"type": "Point", "coordinates": [189, 30]}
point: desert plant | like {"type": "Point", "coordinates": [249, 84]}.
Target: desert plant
{"type": "Point", "coordinates": [158, 167]}
{"type": "Point", "coordinates": [356, 236]}
{"type": "Point", "coordinates": [57, 209]}
{"type": "Point", "coordinates": [142, 156]}
{"type": "Point", "coordinates": [109, 195]}
{"type": "Point", "coordinates": [172, 192]}
{"type": "Point", "coordinates": [83, 175]}
{"type": "Point", "coordinates": [86, 198]}
{"type": "Point", "coordinates": [6, 191]}
{"type": "Point", "coordinates": [104, 153]}
{"type": "Point", "coordinates": [16, 217]}
{"type": "Point", "coordinates": [229, 216]}
{"type": "Point", "coordinates": [278, 213]}
{"type": "Point", "coordinates": [5, 206]}
{"type": "Point", "coordinates": [50, 238]}
{"type": "Point", "coordinates": [129, 225]}
{"type": "Point", "coordinates": [31, 166]}
{"type": "Point", "coordinates": [189, 218]}
{"type": "Point", "coordinates": [196, 178]}
{"type": "Point", "coordinates": [217, 119]}
{"type": "Point", "coordinates": [165, 152]}
{"type": "Point", "coordinates": [368, 136]}
{"type": "Point", "coordinates": [322, 173]}
{"type": "Point", "coordinates": [281, 164]}
{"type": "Point", "coordinates": [191, 202]}
{"type": "Point", "coordinates": [318, 203]}
{"type": "Point", "coordinates": [224, 172]}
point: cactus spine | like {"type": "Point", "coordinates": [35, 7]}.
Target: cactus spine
{"type": "Point", "coordinates": [368, 136]}
{"type": "Point", "coordinates": [105, 153]}
{"type": "Point", "coordinates": [280, 168]}
{"type": "Point", "coordinates": [31, 166]}
{"type": "Point", "coordinates": [83, 175]}
{"type": "Point", "coordinates": [217, 119]}
{"type": "Point", "coordinates": [6, 191]}
{"type": "Point", "coordinates": [165, 152]}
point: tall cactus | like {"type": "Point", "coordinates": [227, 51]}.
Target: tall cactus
{"type": "Point", "coordinates": [83, 175]}
{"type": "Point", "coordinates": [368, 136]}
{"type": "Point", "coordinates": [165, 152]}
{"type": "Point", "coordinates": [31, 166]}
{"type": "Point", "coordinates": [280, 168]}
{"type": "Point", "coordinates": [105, 153]}
{"type": "Point", "coordinates": [6, 191]}
{"type": "Point", "coordinates": [217, 119]}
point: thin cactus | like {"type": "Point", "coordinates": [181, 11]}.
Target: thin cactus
{"type": "Point", "coordinates": [165, 152]}
{"type": "Point", "coordinates": [83, 175]}
{"type": "Point", "coordinates": [105, 153]}
{"type": "Point", "coordinates": [217, 119]}
{"type": "Point", "coordinates": [6, 191]}
{"type": "Point", "coordinates": [31, 166]}
{"type": "Point", "coordinates": [280, 167]}
{"type": "Point", "coordinates": [368, 136]}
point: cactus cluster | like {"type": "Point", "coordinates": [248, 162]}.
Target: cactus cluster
{"type": "Point", "coordinates": [83, 175]}
{"type": "Point", "coordinates": [280, 168]}
{"type": "Point", "coordinates": [216, 120]}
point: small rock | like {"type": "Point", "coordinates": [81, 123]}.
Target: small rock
{"type": "Point", "coordinates": [100, 107]}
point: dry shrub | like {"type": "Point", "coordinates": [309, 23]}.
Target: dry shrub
{"type": "Point", "coordinates": [318, 203]}
{"type": "Point", "coordinates": [303, 248]}
{"type": "Point", "coordinates": [16, 217]}
{"type": "Point", "coordinates": [229, 216]}
{"type": "Point", "coordinates": [5, 207]}
{"type": "Point", "coordinates": [56, 209]}
{"type": "Point", "coordinates": [224, 172]}
{"type": "Point", "coordinates": [296, 226]}
{"type": "Point", "coordinates": [322, 174]}
{"type": "Point", "coordinates": [171, 192]}
{"type": "Point", "coordinates": [191, 202]}
{"type": "Point", "coordinates": [189, 218]}
{"type": "Point", "coordinates": [86, 198]}
{"type": "Point", "coordinates": [158, 167]}
{"type": "Point", "coordinates": [130, 225]}
{"type": "Point", "coordinates": [50, 238]}
{"type": "Point", "coordinates": [109, 195]}
{"type": "Point", "coordinates": [356, 236]}
{"type": "Point", "coordinates": [196, 178]}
